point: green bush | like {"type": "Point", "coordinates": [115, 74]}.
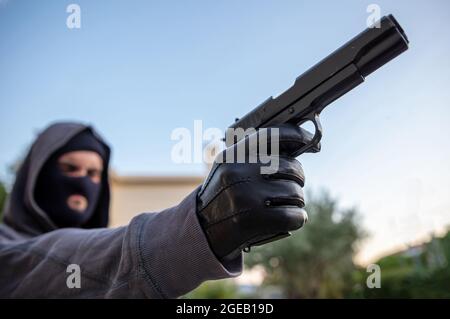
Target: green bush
{"type": "Point", "coordinates": [3, 195]}
{"type": "Point", "coordinates": [219, 289]}
{"type": "Point", "coordinates": [422, 275]}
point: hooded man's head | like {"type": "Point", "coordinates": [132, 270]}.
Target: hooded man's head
{"type": "Point", "coordinates": [63, 182]}
{"type": "Point", "coordinates": [69, 184]}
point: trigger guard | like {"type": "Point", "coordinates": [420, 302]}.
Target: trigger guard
{"type": "Point", "coordinates": [314, 145]}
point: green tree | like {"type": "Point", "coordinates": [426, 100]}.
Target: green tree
{"type": "Point", "coordinates": [317, 261]}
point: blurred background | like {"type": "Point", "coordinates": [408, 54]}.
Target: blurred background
{"type": "Point", "coordinates": [378, 192]}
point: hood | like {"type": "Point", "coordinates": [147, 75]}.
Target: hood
{"type": "Point", "coordinates": [21, 211]}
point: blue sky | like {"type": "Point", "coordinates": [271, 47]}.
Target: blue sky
{"type": "Point", "coordinates": [139, 69]}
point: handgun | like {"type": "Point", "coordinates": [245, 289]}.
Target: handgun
{"type": "Point", "coordinates": [338, 73]}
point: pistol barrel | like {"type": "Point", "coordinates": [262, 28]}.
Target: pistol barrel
{"type": "Point", "coordinates": [332, 77]}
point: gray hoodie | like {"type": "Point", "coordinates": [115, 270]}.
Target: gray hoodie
{"type": "Point", "coordinates": [158, 255]}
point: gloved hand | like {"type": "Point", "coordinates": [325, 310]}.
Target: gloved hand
{"type": "Point", "coordinates": [239, 207]}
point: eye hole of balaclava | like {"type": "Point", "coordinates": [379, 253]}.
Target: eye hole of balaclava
{"type": "Point", "coordinates": [55, 187]}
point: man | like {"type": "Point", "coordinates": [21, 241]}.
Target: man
{"type": "Point", "coordinates": [57, 214]}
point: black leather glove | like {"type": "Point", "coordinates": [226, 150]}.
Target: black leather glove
{"type": "Point", "coordinates": [239, 207]}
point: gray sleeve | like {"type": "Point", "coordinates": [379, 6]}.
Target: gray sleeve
{"type": "Point", "coordinates": [174, 254]}
{"type": "Point", "coordinates": [158, 255]}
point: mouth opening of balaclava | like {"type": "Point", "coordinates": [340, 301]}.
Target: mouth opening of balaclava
{"type": "Point", "coordinates": [53, 187]}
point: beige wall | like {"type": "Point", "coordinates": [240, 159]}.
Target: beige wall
{"type": "Point", "coordinates": [132, 195]}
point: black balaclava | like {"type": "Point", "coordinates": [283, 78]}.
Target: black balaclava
{"type": "Point", "coordinates": [53, 188]}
